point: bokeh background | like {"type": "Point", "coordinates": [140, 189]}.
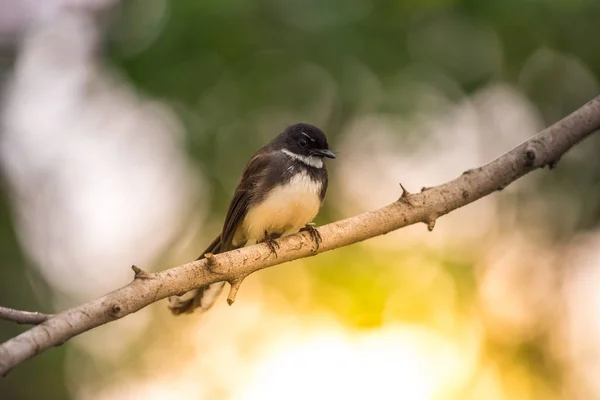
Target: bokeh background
{"type": "Point", "coordinates": [125, 125]}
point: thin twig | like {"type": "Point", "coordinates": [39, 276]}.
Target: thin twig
{"type": "Point", "coordinates": [23, 317]}
{"type": "Point", "coordinates": [235, 286]}
{"type": "Point", "coordinates": [543, 149]}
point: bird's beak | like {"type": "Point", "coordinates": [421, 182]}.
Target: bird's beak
{"type": "Point", "coordinates": [324, 153]}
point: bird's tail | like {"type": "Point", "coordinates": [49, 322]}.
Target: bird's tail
{"type": "Point", "coordinates": [203, 297]}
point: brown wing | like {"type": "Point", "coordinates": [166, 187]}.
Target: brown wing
{"type": "Point", "coordinates": [245, 193]}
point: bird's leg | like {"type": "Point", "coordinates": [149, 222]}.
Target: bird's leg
{"type": "Point", "coordinates": [269, 239]}
{"type": "Point", "coordinates": [314, 233]}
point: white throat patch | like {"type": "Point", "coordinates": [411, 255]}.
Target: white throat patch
{"type": "Point", "coordinates": [311, 161]}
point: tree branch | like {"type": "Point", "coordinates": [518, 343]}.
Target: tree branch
{"type": "Point", "coordinates": [23, 317]}
{"type": "Point", "coordinates": [545, 148]}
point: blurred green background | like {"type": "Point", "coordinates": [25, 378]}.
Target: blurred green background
{"type": "Point", "coordinates": [499, 302]}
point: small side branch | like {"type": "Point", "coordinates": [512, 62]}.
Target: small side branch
{"type": "Point", "coordinates": [140, 273]}
{"type": "Point", "coordinates": [235, 286]}
{"type": "Point", "coordinates": [23, 317]}
{"type": "Point", "coordinates": [430, 221]}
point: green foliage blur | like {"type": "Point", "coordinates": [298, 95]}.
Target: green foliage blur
{"type": "Point", "coordinates": [222, 62]}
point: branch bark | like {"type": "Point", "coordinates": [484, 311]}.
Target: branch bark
{"type": "Point", "coordinates": [545, 148]}
{"type": "Point", "coordinates": [23, 317]}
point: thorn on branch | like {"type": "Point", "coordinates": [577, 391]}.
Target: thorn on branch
{"type": "Point", "coordinates": [210, 259]}
{"type": "Point", "coordinates": [140, 273]}
{"type": "Point", "coordinates": [425, 188]}
{"type": "Point", "coordinates": [211, 262]}
{"type": "Point", "coordinates": [405, 192]}
{"type": "Point", "coordinates": [406, 196]}
{"type": "Point", "coordinates": [235, 286]}
{"type": "Point", "coordinates": [430, 221]}
{"type": "Point", "coordinates": [467, 172]}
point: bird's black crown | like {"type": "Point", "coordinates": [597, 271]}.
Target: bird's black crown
{"type": "Point", "coordinates": [305, 140]}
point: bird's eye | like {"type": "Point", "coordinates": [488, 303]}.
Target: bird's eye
{"type": "Point", "coordinates": [302, 142]}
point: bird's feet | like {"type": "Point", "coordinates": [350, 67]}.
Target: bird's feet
{"type": "Point", "coordinates": [314, 233]}
{"type": "Point", "coordinates": [269, 240]}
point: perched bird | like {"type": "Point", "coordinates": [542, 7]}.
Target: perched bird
{"type": "Point", "coordinates": [280, 192]}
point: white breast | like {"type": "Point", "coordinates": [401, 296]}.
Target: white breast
{"type": "Point", "coordinates": [286, 210]}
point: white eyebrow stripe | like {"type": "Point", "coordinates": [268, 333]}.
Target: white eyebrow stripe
{"type": "Point", "coordinates": [309, 138]}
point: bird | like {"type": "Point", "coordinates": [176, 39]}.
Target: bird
{"type": "Point", "coordinates": [280, 192]}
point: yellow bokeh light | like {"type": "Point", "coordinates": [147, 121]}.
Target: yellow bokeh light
{"type": "Point", "coordinates": [402, 361]}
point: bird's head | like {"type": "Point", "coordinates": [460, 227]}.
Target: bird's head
{"type": "Point", "coordinates": [306, 140]}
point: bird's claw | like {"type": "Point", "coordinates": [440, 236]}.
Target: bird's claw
{"type": "Point", "coordinates": [314, 234]}
{"type": "Point", "coordinates": [269, 240]}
